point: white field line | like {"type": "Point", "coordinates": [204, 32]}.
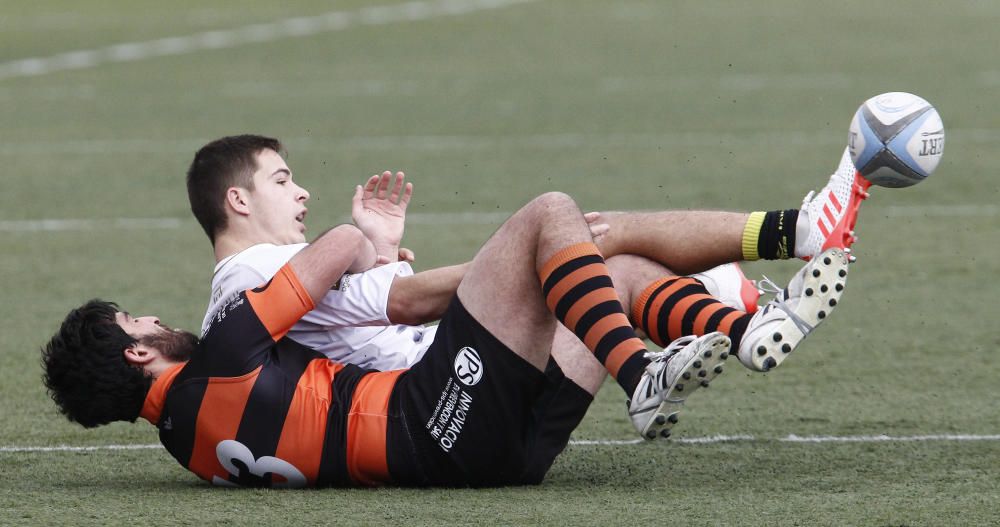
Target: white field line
{"type": "Point", "coordinates": [68, 448]}
{"type": "Point", "coordinates": [252, 34]}
{"type": "Point", "coordinates": [792, 438]}
{"type": "Point", "coordinates": [741, 438]}
{"type": "Point", "coordinates": [440, 218]}
{"type": "Point", "coordinates": [891, 439]}
{"type": "Point", "coordinates": [553, 141]}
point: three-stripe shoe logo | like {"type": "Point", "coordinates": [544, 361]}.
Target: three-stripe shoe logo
{"type": "Point", "coordinates": [829, 216]}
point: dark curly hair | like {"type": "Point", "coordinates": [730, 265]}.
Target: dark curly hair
{"type": "Point", "coordinates": [223, 163]}
{"type": "Point", "coordinates": [85, 368]}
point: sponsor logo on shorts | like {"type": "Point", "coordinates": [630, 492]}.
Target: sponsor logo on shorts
{"type": "Point", "coordinates": [468, 366]}
{"type": "Point", "coordinates": [448, 419]}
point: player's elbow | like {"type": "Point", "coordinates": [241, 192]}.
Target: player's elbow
{"type": "Point", "coordinates": [347, 241]}
{"type": "Point", "coordinates": [345, 235]}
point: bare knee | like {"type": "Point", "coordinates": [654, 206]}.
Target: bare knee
{"type": "Point", "coordinates": [552, 204]}
{"type": "Point", "coordinates": [632, 274]}
{"type": "Point", "coordinates": [548, 212]}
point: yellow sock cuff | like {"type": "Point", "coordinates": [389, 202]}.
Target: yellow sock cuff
{"type": "Point", "coordinates": [751, 235]}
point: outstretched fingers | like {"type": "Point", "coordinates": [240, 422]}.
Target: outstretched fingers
{"type": "Point", "coordinates": [383, 185]}
{"type": "Point", "coordinates": [401, 190]}
{"type": "Point", "coordinates": [370, 186]}
{"type": "Point", "coordinates": [404, 200]}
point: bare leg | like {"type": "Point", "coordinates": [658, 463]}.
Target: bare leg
{"type": "Point", "coordinates": [577, 363]}
{"type": "Point", "coordinates": [685, 241]}
{"type": "Point", "coordinates": [631, 275]}
{"type": "Point", "coordinates": [501, 289]}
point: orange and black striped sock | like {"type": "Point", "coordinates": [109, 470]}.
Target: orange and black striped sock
{"type": "Point", "coordinates": [578, 290]}
{"type": "Point", "coordinates": [676, 306]}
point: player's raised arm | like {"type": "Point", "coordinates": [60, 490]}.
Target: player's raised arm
{"type": "Point", "coordinates": [339, 250]}
{"type": "Point", "coordinates": [379, 210]}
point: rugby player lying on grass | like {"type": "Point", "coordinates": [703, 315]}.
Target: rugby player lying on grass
{"type": "Point", "coordinates": [242, 192]}
{"type": "Point", "coordinates": [245, 405]}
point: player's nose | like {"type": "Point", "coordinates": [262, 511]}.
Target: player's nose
{"type": "Point", "coordinates": [303, 194]}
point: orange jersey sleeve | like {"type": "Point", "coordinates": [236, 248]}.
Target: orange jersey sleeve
{"type": "Point", "coordinates": [281, 302]}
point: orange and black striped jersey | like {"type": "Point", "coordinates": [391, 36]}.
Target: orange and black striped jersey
{"type": "Point", "coordinates": [254, 408]}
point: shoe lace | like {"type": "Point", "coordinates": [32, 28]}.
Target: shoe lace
{"type": "Point", "coordinates": [671, 348]}
{"type": "Point", "coordinates": [766, 285]}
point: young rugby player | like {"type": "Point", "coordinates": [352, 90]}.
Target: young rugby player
{"type": "Point", "coordinates": [246, 405]}
{"type": "Point", "coordinates": [243, 194]}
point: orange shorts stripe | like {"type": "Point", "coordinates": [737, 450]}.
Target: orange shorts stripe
{"type": "Point", "coordinates": [366, 428]}
{"type": "Point", "coordinates": [565, 255]}
{"type": "Point", "coordinates": [301, 441]}
{"type": "Point", "coordinates": [282, 303]}
{"type": "Point", "coordinates": [649, 325]}
{"type": "Point", "coordinates": [621, 353]}
{"type": "Point", "coordinates": [221, 410]}
{"type": "Point", "coordinates": [572, 280]}
{"type": "Point", "coordinates": [588, 302]}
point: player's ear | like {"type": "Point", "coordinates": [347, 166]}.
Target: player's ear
{"type": "Point", "coordinates": [138, 355]}
{"type": "Point", "coordinates": [237, 199]}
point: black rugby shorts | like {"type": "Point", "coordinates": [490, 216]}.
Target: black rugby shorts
{"type": "Point", "coordinates": [473, 413]}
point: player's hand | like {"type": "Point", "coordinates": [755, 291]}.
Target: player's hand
{"type": "Point", "coordinates": [379, 210]}
{"type": "Point", "coordinates": [405, 255]}
{"type": "Point", "coordinates": [597, 229]}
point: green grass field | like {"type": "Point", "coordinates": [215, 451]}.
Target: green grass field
{"type": "Point", "coordinates": [641, 105]}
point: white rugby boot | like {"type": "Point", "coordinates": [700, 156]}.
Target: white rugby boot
{"type": "Point", "coordinates": [828, 218]}
{"type": "Point", "coordinates": [778, 328]}
{"type": "Point", "coordinates": [729, 285]}
{"type": "Point", "coordinates": [685, 365]}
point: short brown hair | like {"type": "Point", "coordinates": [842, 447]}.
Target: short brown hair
{"type": "Point", "coordinates": [217, 166]}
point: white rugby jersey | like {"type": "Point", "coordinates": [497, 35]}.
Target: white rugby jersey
{"type": "Point", "coordinates": [351, 325]}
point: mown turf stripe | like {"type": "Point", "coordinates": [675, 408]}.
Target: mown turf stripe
{"type": "Point", "coordinates": [968, 210]}
{"type": "Point", "coordinates": [63, 225]}
{"type": "Point", "coordinates": [528, 141]}
{"type": "Point", "coordinates": [791, 438]}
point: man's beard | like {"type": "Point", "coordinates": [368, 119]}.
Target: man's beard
{"type": "Point", "coordinates": [174, 344]}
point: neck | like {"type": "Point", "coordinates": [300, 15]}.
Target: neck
{"type": "Point", "coordinates": [237, 237]}
{"type": "Point", "coordinates": [158, 367]}
{"type": "Point", "coordinates": [227, 246]}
